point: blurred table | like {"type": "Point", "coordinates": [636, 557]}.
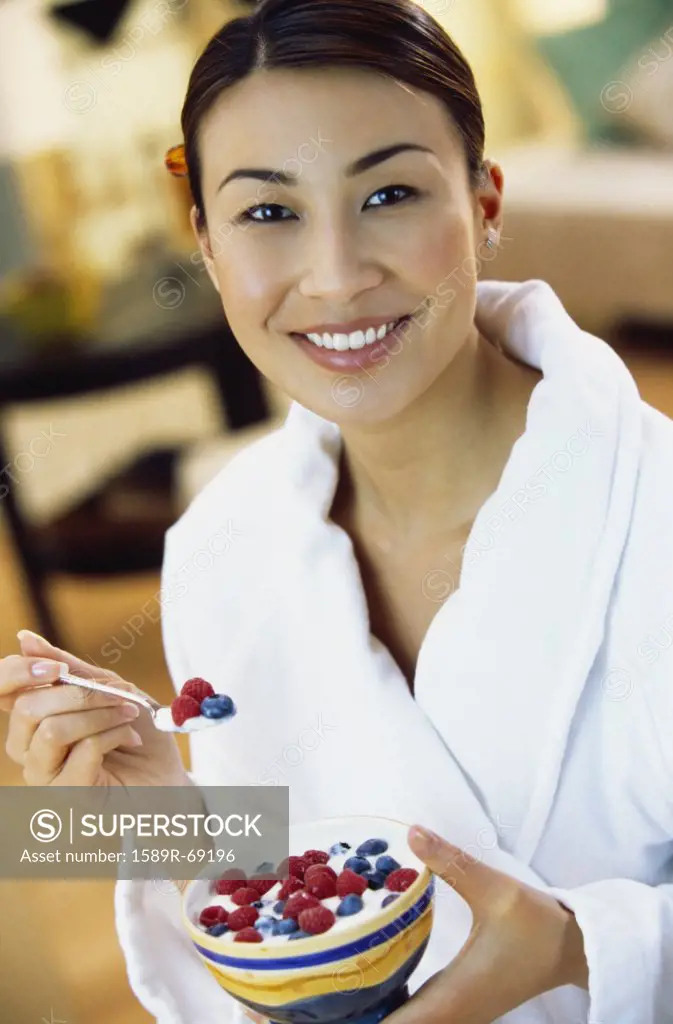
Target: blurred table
{"type": "Point", "coordinates": [160, 320]}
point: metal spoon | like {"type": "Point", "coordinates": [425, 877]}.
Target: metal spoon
{"type": "Point", "coordinates": [161, 714]}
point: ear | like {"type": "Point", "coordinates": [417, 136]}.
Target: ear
{"type": "Point", "coordinates": [489, 199]}
{"type": "Point", "coordinates": [203, 242]}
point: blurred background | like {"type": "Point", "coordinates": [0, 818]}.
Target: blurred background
{"type": "Point", "coordinates": [122, 391]}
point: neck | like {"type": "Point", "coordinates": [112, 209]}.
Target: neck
{"type": "Point", "coordinates": [428, 470]}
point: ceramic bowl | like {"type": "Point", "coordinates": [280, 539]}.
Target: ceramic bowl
{"type": "Point", "coordinates": [355, 972]}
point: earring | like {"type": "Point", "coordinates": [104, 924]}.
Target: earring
{"type": "Point", "coordinates": [493, 238]}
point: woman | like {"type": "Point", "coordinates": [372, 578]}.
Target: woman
{"type": "Point", "coordinates": [443, 579]}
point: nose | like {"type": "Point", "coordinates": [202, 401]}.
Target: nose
{"type": "Point", "coordinates": [336, 268]}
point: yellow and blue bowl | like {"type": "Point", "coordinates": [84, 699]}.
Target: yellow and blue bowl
{"type": "Point", "coordinates": [358, 974]}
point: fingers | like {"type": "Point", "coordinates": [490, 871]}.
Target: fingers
{"type": "Point", "coordinates": [83, 763]}
{"type": "Point", "coordinates": [18, 673]}
{"type": "Point", "coordinates": [33, 645]}
{"type": "Point", "coordinates": [55, 712]}
{"type": "Point", "coordinates": [57, 738]}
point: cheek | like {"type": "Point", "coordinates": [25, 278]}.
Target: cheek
{"type": "Point", "coordinates": [251, 282]}
{"type": "Point", "coordinates": [444, 248]}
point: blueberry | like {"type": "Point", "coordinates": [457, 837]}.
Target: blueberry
{"type": "Point", "coordinates": [386, 864]}
{"type": "Point", "coordinates": [257, 904]}
{"type": "Point", "coordinates": [265, 868]}
{"type": "Point", "coordinates": [219, 706]}
{"type": "Point", "coordinates": [349, 905]}
{"type": "Point", "coordinates": [285, 927]}
{"type": "Point", "coordinates": [358, 864]}
{"type": "Point", "coordinates": [338, 848]}
{"type": "Point", "coordinates": [218, 929]}
{"type": "Point", "coordinates": [265, 924]}
{"type": "Point", "coordinates": [389, 898]}
{"type": "Point", "coordinates": [279, 907]}
{"type": "Point", "coordinates": [300, 935]}
{"type": "Point", "coordinates": [375, 879]}
{"type": "Point", "coordinates": [371, 847]}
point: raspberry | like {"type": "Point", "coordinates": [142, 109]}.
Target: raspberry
{"type": "Point", "coordinates": [213, 915]}
{"type": "Point", "coordinates": [229, 883]}
{"type": "Point", "coordinates": [242, 917]}
{"type": "Point", "coordinates": [316, 920]}
{"type": "Point", "coordinates": [197, 688]}
{"type": "Point", "coordinates": [262, 885]}
{"type": "Point", "coordinates": [400, 880]}
{"type": "Point", "coordinates": [322, 886]}
{"type": "Point", "coordinates": [184, 707]}
{"type": "Point", "coordinates": [248, 935]}
{"type": "Point", "coordinates": [300, 901]}
{"type": "Point", "coordinates": [291, 885]}
{"type": "Point", "coordinates": [319, 869]}
{"type": "Point", "coordinates": [315, 856]}
{"type": "Point", "coordinates": [348, 882]}
{"type": "Point", "coordinates": [294, 866]}
{"type": "Point", "coordinates": [244, 896]}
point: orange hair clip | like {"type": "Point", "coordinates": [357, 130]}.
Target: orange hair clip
{"type": "Point", "coordinates": [175, 161]}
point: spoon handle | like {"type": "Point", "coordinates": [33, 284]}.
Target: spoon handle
{"type": "Point", "coordinates": [91, 684]}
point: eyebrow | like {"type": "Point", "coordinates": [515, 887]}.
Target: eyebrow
{"type": "Point", "coordinates": [364, 163]}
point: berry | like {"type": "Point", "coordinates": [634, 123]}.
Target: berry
{"type": "Point", "coordinates": [339, 848]}
{"type": "Point", "coordinates": [264, 870]}
{"type": "Point", "coordinates": [248, 935]}
{"type": "Point", "coordinates": [375, 879]}
{"type": "Point", "coordinates": [218, 929]}
{"type": "Point", "coordinates": [228, 885]}
{"type": "Point", "coordinates": [390, 898]}
{"type": "Point", "coordinates": [265, 924]}
{"type": "Point", "coordinates": [319, 869]}
{"type": "Point", "coordinates": [213, 915]}
{"type": "Point", "coordinates": [349, 882]}
{"type": "Point", "coordinates": [358, 865]}
{"type": "Point", "coordinates": [299, 935]}
{"type": "Point", "coordinates": [258, 904]}
{"type": "Point", "coordinates": [293, 867]}
{"type": "Point", "coordinates": [371, 847]}
{"type": "Point", "coordinates": [279, 907]}
{"type": "Point", "coordinates": [262, 885]}
{"type": "Point", "coordinates": [197, 688]}
{"type": "Point", "coordinates": [316, 920]}
{"type": "Point", "coordinates": [291, 885]}
{"type": "Point", "coordinates": [300, 901]}
{"type": "Point", "coordinates": [285, 927]}
{"type": "Point", "coordinates": [218, 706]}
{"type": "Point", "coordinates": [242, 917]}
{"type": "Point", "coordinates": [400, 880]}
{"type": "Point", "coordinates": [350, 904]}
{"type": "Point", "coordinates": [315, 856]}
{"type": "Point", "coordinates": [183, 708]}
{"type": "Point", "coordinates": [244, 896]}
{"type": "Point", "coordinates": [385, 864]}
{"type": "Point", "coordinates": [321, 885]}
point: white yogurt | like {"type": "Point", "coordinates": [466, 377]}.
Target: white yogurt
{"type": "Point", "coordinates": [164, 722]}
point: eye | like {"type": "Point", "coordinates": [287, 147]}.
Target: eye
{"type": "Point", "coordinates": [391, 195]}
{"type": "Point", "coordinates": [266, 213]}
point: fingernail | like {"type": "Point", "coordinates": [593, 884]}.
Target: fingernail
{"type": "Point", "coordinates": [135, 741]}
{"type": "Point", "coordinates": [425, 836]}
{"type": "Point", "coordinates": [130, 710]}
{"type": "Point", "coordinates": [25, 633]}
{"type": "Point", "coordinates": [48, 669]}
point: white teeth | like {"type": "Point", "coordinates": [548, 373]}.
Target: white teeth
{"type": "Point", "coordinates": [355, 340]}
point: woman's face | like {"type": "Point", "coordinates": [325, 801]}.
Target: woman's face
{"type": "Point", "coordinates": [338, 202]}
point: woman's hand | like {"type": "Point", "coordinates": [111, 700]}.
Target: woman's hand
{"type": "Point", "coordinates": [522, 943]}
{"type": "Point", "coordinates": [67, 736]}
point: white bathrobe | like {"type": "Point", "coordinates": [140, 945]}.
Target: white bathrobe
{"type": "Point", "coordinates": [540, 736]}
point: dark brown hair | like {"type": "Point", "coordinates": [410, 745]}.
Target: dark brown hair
{"type": "Point", "coordinates": [397, 38]}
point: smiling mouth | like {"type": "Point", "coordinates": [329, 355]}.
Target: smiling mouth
{"type": "Point", "coordinates": [356, 339]}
